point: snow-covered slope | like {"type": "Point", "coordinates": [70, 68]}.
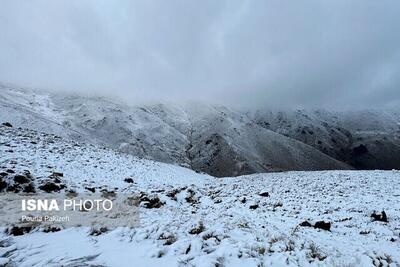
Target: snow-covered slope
{"type": "Point", "coordinates": [228, 143]}
{"type": "Point", "coordinates": [368, 139]}
{"type": "Point", "coordinates": [43, 154]}
{"type": "Point", "coordinates": [211, 139]}
{"type": "Point", "coordinates": [205, 221]}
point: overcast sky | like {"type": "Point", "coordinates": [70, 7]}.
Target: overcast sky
{"type": "Point", "coordinates": [279, 53]}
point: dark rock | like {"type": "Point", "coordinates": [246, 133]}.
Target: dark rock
{"type": "Point", "coordinates": [172, 194]}
{"type": "Point", "coordinates": [197, 230]}
{"type": "Point", "coordinates": [264, 194]}
{"type": "Point", "coordinates": [19, 230]}
{"type": "Point", "coordinates": [191, 197]}
{"type": "Point", "coordinates": [30, 188]}
{"type": "Point", "coordinates": [10, 171]}
{"type": "Point", "coordinates": [28, 174]}
{"type": "Point", "coordinates": [364, 232]}
{"type": "Point", "coordinates": [278, 205]}
{"type": "Point", "coordinates": [57, 174]}
{"type": "Point", "coordinates": [51, 229]}
{"type": "Point", "coordinates": [21, 179]}
{"type": "Point", "coordinates": [188, 249]}
{"type": "Point", "coordinates": [253, 207]}
{"type": "Point", "coordinates": [128, 180]}
{"type": "Point", "coordinates": [323, 225]}
{"type": "Point", "coordinates": [169, 239]}
{"type": "Point", "coordinates": [14, 188]}
{"type": "Point", "coordinates": [305, 224]}
{"type": "Point", "coordinates": [3, 174]}
{"type": "Point", "coordinates": [7, 124]}
{"type": "Point", "coordinates": [56, 180]}
{"type": "Point", "coordinates": [91, 189]}
{"type": "Point", "coordinates": [3, 185]}
{"type": "Point", "coordinates": [97, 232]}
{"type": "Point", "coordinates": [51, 187]}
{"type": "Point", "coordinates": [376, 217]}
{"type": "Point", "coordinates": [152, 202]}
{"type": "Point", "coordinates": [379, 217]}
{"type": "Point", "coordinates": [384, 217]}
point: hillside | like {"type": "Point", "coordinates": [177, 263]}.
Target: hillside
{"type": "Point", "coordinates": [198, 220]}
{"type": "Point", "coordinates": [364, 139]}
{"type": "Point", "coordinates": [210, 139]}
{"type": "Point", "coordinates": [216, 140]}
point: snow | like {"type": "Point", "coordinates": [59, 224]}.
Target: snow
{"type": "Point", "coordinates": [217, 140]}
{"type": "Point", "coordinates": [88, 164]}
{"type": "Point", "coordinates": [207, 221]}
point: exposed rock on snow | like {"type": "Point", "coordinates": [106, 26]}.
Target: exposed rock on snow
{"type": "Point", "coordinates": [7, 124]}
{"type": "Point", "coordinates": [379, 217]}
{"type": "Point", "coordinates": [191, 227]}
{"type": "Point", "coordinates": [128, 180]}
{"type": "Point", "coordinates": [264, 194]}
{"type": "Point", "coordinates": [323, 225]}
{"type": "Point", "coordinates": [305, 224]}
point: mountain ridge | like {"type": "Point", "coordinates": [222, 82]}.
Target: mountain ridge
{"type": "Point", "coordinates": [213, 139]}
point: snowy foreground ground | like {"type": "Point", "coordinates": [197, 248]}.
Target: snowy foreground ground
{"type": "Point", "coordinates": [200, 220]}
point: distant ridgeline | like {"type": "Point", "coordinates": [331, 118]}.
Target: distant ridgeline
{"type": "Point", "coordinates": [214, 139]}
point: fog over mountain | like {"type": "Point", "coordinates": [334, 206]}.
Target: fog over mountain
{"type": "Point", "coordinates": [214, 139]}
{"type": "Point", "coordinates": [313, 54]}
{"type": "Point", "coordinates": [218, 132]}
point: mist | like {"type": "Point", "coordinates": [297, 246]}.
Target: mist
{"type": "Point", "coordinates": [310, 54]}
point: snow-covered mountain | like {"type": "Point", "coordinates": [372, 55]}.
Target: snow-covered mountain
{"type": "Point", "coordinates": [191, 219]}
{"type": "Point", "coordinates": [216, 140]}
{"type": "Point", "coordinates": [366, 139]}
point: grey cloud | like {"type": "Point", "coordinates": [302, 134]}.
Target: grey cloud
{"type": "Point", "coordinates": [335, 54]}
